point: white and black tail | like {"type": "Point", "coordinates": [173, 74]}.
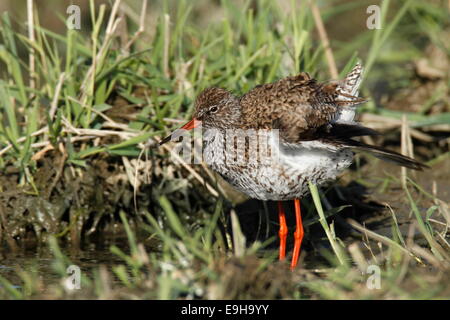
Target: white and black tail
{"type": "Point", "coordinates": [347, 91]}
{"type": "Point", "coordinates": [342, 134]}
{"type": "Point", "coordinates": [342, 131]}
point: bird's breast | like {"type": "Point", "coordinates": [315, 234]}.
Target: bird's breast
{"type": "Point", "coordinates": [259, 165]}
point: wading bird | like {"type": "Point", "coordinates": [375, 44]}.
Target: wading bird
{"type": "Point", "coordinates": [311, 130]}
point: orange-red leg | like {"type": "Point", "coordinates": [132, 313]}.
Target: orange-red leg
{"type": "Point", "coordinates": [298, 234]}
{"type": "Point", "coordinates": [283, 230]}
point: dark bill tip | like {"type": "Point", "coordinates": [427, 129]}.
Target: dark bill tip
{"type": "Point", "coordinates": [188, 126]}
{"type": "Point", "coordinates": [166, 139]}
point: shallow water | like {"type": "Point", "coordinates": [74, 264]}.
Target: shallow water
{"type": "Point", "coordinates": [41, 262]}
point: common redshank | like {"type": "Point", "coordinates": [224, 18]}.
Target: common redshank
{"type": "Point", "coordinates": [309, 129]}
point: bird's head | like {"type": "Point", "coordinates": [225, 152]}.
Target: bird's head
{"type": "Point", "coordinates": [214, 108]}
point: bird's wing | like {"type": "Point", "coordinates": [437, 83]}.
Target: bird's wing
{"type": "Point", "coordinates": [299, 106]}
{"type": "Point", "coordinates": [303, 109]}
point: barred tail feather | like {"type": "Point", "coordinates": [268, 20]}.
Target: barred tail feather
{"type": "Point", "coordinates": [348, 90]}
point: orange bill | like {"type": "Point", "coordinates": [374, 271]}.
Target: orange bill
{"type": "Point", "coordinates": [188, 126]}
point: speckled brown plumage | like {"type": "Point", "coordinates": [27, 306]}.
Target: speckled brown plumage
{"type": "Point", "coordinates": [297, 105]}
{"type": "Point", "coordinates": [301, 108]}
{"type": "Point", "coordinates": [307, 126]}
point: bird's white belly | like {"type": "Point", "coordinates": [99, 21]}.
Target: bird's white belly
{"type": "Point", "coordinates": [285, 175]}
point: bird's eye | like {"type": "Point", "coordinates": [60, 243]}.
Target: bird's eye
{"type": "Point", "coordinates": [213, 109]}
